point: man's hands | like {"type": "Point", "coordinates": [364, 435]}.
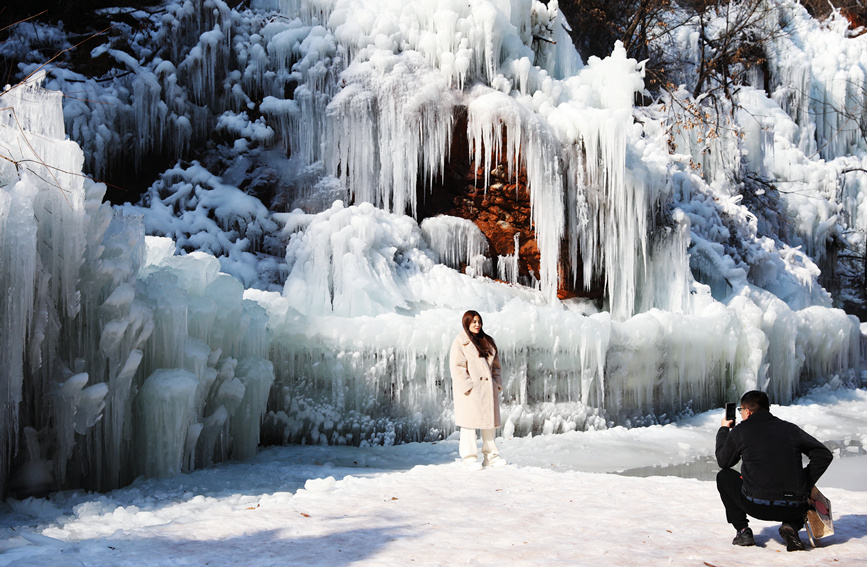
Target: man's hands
{"type": "Point", "coordinates": [727, 423]}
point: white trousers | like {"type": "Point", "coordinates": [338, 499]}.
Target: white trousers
{"type": "Point", "coordinates": [468, 448]}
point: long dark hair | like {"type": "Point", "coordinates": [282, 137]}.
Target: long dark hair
{"type": "Point", "coordinates": [483, 343]}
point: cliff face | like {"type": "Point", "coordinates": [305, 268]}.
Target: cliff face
{"type": "Point", "coordinates": [501, 211]}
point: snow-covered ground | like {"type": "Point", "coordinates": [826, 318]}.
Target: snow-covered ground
{"type": "Point", "coordinates": [415, 504]}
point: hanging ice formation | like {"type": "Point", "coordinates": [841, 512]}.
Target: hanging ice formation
{"type": "Point", "coordinates": [459, 242]}
{"type": "Point", "coordinates": [155, 362]}
{"type": "Point", "coordinates": [118, 357]}
{"type": "Point", "coordinates": [507, 266]}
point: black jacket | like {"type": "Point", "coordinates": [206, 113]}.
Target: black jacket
{"type": "Point", "coordinates": [771, 451]}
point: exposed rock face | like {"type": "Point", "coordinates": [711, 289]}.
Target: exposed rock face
{"type": "Point", "coordinates": [501, 211]}
{"type": "Point", "coordinates": [857, 16]}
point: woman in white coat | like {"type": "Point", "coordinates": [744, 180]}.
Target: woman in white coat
{"type": "Point", "coordinates": [476, 384]}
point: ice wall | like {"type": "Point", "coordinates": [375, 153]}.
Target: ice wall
{"type": "Point", "coordinates": [380, 376]}
{"type": "Point", "coordinates": [118, 357]}
{"type": "Point", "coordinates": [40, 259]}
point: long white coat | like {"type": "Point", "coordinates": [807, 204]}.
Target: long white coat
{"type": "Point", "coordinates": [476, 385]}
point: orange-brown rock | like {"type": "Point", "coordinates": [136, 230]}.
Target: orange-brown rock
{"type": "Point", "coordinates": [500, 210]}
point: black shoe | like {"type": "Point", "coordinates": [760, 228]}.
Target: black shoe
{"type": "Point", "coordinates": [790, 536]}
{"type": "Point", "coordinates": [744, 538]}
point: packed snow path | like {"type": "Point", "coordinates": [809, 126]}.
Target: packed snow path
{"type": "Point", "coordinates": [433, 514]}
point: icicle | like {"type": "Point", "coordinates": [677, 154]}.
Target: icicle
{"type": "Point", "coordinates": [257, 375]}
{"type": "Point", "coordinates": [493, 117]}
{"type": "Point", "coordinates": [165, 410]}
{"type": "Point", "coordinates": [507, 266]}
{"type": "Point", "coordinates": [457, 241]}
{"type": "Point", "coordinates": [380, 132]}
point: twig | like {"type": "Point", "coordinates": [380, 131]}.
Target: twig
{"type": "Point", "coordinates": [20, 161]}
{"type": "Point", "coordinates": [829, 140]}
{"type": "Point", "coordinates": [56, 55]}
{"type": "Point", "coordinates": [22, 21]}
{"type": "Point", "coordinates": [35, 153]}
{"type": "Point", "coordinates": [539, 37]}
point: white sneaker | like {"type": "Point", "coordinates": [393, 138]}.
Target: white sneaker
{"type": "Point", "coordinates": [495, 461]}
{"type": "Point", "coordinates": [472, 464]}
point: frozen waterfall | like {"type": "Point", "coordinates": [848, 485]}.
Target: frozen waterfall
{"type": "Point", "coordinates": [160, 337]}
{"type": "Point", "coordinates": [117, 355]}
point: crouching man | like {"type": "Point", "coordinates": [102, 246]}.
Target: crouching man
{"type": "Point", "coordinates": [773, 484]}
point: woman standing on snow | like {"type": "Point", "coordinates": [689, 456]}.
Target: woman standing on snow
{"type": "Point", "coordinates": [476, 384]}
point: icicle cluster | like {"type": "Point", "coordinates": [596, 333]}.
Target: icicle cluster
{"type": "Point", "coordinates": [507, 266]}
{"type": "Point", "coordinates": [457, 242]}
{"type": "Point", "coordinates": [118, 358]}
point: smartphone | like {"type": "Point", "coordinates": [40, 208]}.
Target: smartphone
{"type": "Point", "coordinates": [730, 411]}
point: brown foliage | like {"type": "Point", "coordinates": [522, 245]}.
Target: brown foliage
{"type": "Point", "coordinates": [598, 24]}
{"type": "Point", "coordinates": [854, 10]}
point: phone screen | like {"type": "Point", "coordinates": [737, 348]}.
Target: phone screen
{"type": "Point", "coordinates": [730, 411]}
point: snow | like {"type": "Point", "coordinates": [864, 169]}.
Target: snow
{"type": "Point", "coordinates": [558, 502]}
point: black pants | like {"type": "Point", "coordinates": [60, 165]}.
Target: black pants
{"type": "Point", "coordinates": [729, 482]}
